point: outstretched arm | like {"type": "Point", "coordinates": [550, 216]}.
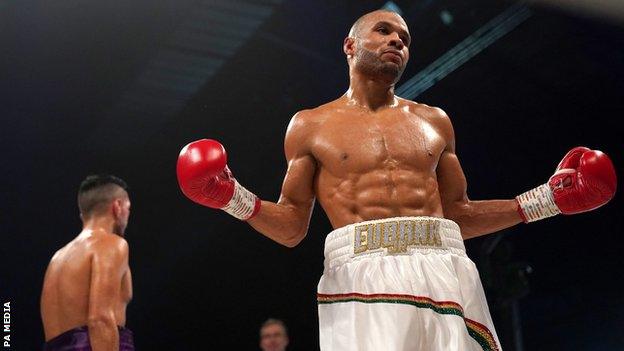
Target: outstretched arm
{"type": "Point", "coordinates": [475, 218]}
{"type": "Point", "coordinates": [584, 180]}
{"type": "Point", "coordinates": [287, 221]}
{"type": "Point", "coordinates": [204, 178]}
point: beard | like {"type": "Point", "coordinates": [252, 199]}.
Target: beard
{"type": "Point", "coordinates": [371, 65]}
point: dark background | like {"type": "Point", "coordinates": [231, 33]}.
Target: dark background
{"type": "Point", "coordinates": [203, 280]}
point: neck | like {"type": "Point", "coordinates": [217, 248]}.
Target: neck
{"type": "Point", "coordinates": [370, 93]}
{"type": "Point", "coordinates": [99, 224]}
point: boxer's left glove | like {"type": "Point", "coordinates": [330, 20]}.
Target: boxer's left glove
{"type": "Point", "coordinates": [584, 180]}
{"type": "Point", "coordinates": [204, 178]}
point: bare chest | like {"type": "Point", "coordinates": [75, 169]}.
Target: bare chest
{"type": "Point", "coordinates": [359, 144]}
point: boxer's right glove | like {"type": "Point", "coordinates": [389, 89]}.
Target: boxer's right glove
{"type": "Point", "coordinates": [204, 178]}
{"type": "Point", "coordinates": [584, 180]}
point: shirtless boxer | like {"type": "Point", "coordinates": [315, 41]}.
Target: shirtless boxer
{"type": "Point", "coordinates": [87, 284]}
{"type": "Point", "coordinates": [385, 171]}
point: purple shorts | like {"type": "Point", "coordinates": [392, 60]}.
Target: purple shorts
{"type": "Point", "coordinates": [77, 339]}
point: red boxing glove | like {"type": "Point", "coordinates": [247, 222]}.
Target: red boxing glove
{"type": "Point", "coordinates": [203, 176]}
{"type": "Point", "coordinates": [584, 180]}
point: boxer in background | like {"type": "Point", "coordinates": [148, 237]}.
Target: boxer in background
{"type": "Point", "coordinates": [386, 173]}
{"type": "Point", "coordinates": [88, 285]}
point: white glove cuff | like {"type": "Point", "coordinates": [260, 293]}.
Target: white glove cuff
{"type": "Point", "coordinates": [242, 204]}
{"type": "Point", "coordinates": [538, 203]}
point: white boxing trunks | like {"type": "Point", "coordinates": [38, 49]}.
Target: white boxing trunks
{"type": "Point", "coordinates": [401, 284]}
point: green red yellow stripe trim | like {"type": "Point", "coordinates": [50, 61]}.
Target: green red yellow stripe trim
{"type": "Point", "coordinates": [476, 330]}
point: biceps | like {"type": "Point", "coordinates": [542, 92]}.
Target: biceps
{"type": "Point", "coordinates": [298, 185]}
{"type": "Point", "coordinates": [451, 179]}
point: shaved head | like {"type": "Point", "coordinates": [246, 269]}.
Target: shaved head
{"type": "Point", "coordinates": [378, 45]}
{"type": "Point", "coordinates": [97, 191]}
{"type": "Point", "coordinates": [357, 26]}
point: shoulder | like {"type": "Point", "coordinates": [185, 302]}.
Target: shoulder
{"type": "Point", "coordinates": [57, 257]}
{"type": "Point", "coordinates": [436, 116]}
{"type": "Point", "coordinates": [302, 121]}
{"type": "Point", "coordinates": [303, 128]}
{"type": "Point", "coordinates": [432, 113]}
{"type": "Point", "coordinates": [307, 120]}
{"type": "Point", "coordinates": [299, 133]}
{"type": "Point", "coordinates": [110, 245]}
{"type": "Point", "coordinates": [315, 116]}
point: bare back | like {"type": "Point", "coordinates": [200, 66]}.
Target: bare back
{"type": "Point", "coordinates": [372, 165]}
{"type": "Point", "coordinates": [72, 282]}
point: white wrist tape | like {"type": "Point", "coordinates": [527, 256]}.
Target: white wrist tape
{"type": "Point", "coordinates": [538, 203]}
{"type": "Point", "coordinates": [242, 204]}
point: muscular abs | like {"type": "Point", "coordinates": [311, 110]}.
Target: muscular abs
{"type": "Point", "coordinates": [376, 165]}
